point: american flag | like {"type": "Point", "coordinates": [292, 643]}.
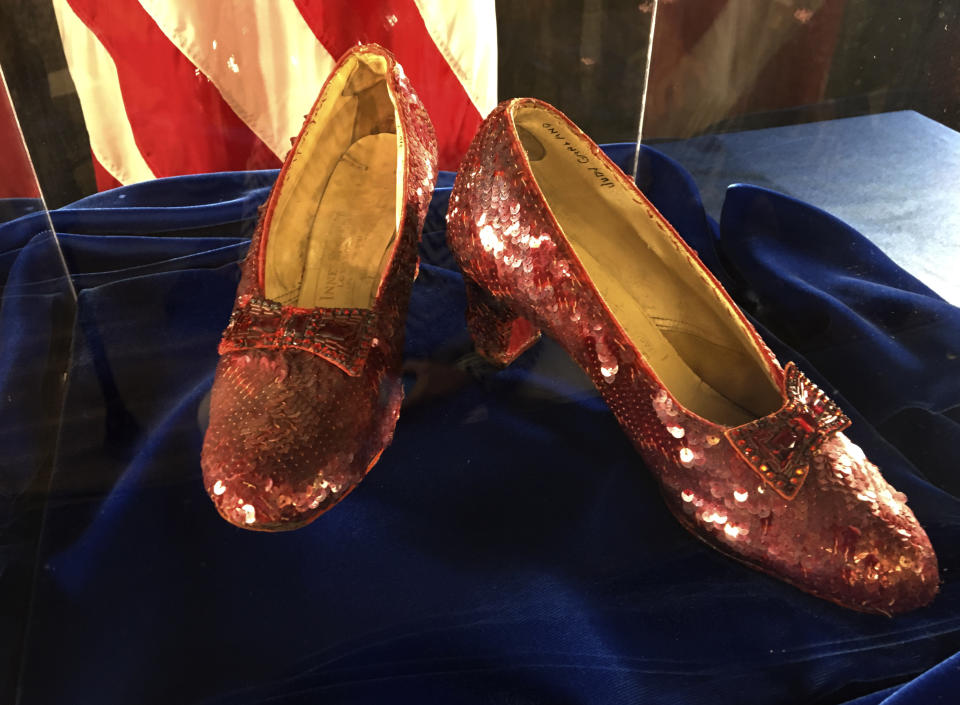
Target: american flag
{"type": "Point", "coordinates": [173, 87]}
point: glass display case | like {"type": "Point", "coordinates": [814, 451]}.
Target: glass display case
{"type": "Point", "coordinates": [339, 363]}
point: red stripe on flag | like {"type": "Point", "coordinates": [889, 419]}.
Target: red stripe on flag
{"type": "Point", "coordinates": [180, 122]}
{"type": "Point", "coordinates": [398, 26]}
{"type": "Point", "coordinates": [17, 179]}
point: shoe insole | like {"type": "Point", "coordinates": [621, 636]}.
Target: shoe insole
{"type": "Point", "coordinates": [621, 296]}
{"type": "Point", "coordinates": [696, 347]}
{"type": "Point", "coordinates": [335, 220]}
{"type": "Point", "coordinates": [354, 227]}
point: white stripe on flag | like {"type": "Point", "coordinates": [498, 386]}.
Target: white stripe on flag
{"type": "Point", "coordinates": [466, 35]}
{"type": "Point", "coordinates": [261, 56]}
{"type": "Point", "coordinates": [95, 76]}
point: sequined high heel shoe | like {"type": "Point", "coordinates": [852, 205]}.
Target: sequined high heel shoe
{"type": "Point", "coordinates": [751, 456]}
{"type": "Point", "coordinates": [307, 391]}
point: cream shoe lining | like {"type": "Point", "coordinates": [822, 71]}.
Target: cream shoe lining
{"type": "Point", "coordinates": [688, 335]}
{"type": "Point", "coordinates": [336, 219]}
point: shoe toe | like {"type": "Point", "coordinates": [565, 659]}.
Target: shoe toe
{"type": "Point", "coordinates": [884, 571]}
{"type": "Point", "coordinates": [256, 500]}
{"type": "Point", "coordinates": [881, 559]}
{"type": "Point", "coordinates": [290, 435]}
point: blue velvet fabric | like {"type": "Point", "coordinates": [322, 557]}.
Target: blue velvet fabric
{"type": "Point", "coordinates": [509, 547]}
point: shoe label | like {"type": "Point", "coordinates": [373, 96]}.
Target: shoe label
{"type": "Point", "coordinates": [581, 157]}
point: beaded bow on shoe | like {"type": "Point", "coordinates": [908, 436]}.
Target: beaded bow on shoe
{"type": "Point", "coordinates": [779, 447]}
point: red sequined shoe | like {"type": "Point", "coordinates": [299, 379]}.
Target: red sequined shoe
{"type": "Point", "coordinates": [307, 391]}
{"type": "Point", "coordinates": [750, 456]}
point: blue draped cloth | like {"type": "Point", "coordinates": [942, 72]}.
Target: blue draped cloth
{"type": "Point", "coordinates": [509, 547]}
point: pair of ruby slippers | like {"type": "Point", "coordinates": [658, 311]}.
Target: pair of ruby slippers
{"type": "Point", "coordinates": [551, 237]}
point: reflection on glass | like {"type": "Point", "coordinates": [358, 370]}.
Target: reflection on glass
{"type": "Point", "coordinates": [842, 104]}
{"type": "Point", "coordinates": [37, 312]}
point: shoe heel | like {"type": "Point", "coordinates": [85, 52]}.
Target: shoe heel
{"type": "Point", "coordinates": [499, 335]}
